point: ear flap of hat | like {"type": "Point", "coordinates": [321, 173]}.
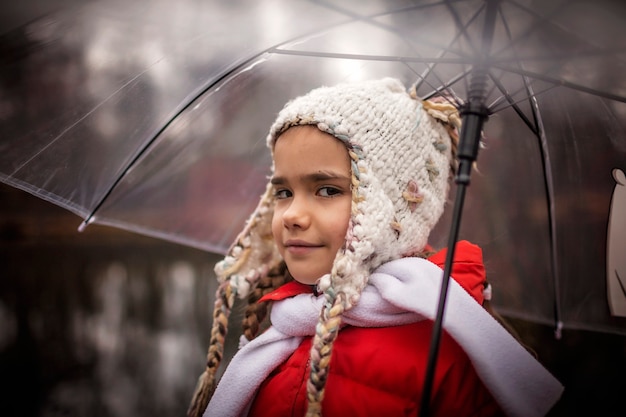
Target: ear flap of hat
{"type": "Point", "coordinates": [253, 253]}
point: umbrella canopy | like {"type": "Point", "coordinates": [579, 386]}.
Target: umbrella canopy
{"type": "Point", "coordinates": [152, 115]}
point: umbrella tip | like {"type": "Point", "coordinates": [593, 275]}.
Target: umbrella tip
{"type": "Point", "coordinates": [558, 331]}
{"type": "Point", "coordinates": [83, 225]}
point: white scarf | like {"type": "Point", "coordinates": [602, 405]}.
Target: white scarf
{"type": "Point", "coordinates": [399, 292]}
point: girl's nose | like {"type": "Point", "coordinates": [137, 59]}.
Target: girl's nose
{"type": "Point", "coordinates": [297, 215]}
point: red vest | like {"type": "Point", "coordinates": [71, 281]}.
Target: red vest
{"type": "Point", "coordinates": [380, 371]}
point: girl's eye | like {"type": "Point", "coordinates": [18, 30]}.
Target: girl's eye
{"type": "Point", "coordinates": [329, 191]}
{"type": "Point", "coordinates": [282, 194]}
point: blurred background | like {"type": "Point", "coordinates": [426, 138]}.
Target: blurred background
{"type": "Point", "coordinates": [103, 323]}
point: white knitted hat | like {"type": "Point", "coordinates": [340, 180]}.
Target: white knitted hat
{"type": "Point", "coordinates": [401, 151]}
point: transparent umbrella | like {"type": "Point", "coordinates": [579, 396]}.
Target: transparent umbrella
{"type": "Point", "coordinates": [151, 116]}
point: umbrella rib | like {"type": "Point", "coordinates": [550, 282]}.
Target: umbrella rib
{"type": "Point", "coordinates": [593, 51]}
{"type": "Point", "coordinates": [430, 67]}
{"type": "Point", "coordinates": [549, 186]}
{"type": "Point", "coordinates": [509, 34]}
{"type": "Point", "coordinates": [513, 104]}
{"type": "Point", "coordinates": [495, 107]}
{"type": "Point", "coordinates": [563, 83]}
{"type": "Point", "coordinates": [332, 6]}
{"type": "Point", "coordinates": [449, 84]}
{"type": "Point", "coordinates": [463, 28]}
{"type": "Point", "coordinates": [422, 77]}
{"type": "Point", "coordinates": [497, 84]}
{"type": "Point", "coordinates": [539, 19]}
{"type": "Point", "coordinates": [366, 57]}
{"type": "Point", "coordinates": [446, 86]}
{"type": "Point", "coordinates": [589, 52]}
{"type": "Point", "coordinates": [547, 169]}
{"type": "Point", "coordinates": [441, 90]}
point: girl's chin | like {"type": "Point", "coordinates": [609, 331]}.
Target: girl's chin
{"type": "Point", "coordinates": [306, 278]}
{"type": "Point", "coordinates": [307, 281]}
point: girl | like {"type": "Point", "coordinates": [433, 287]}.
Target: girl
{"type": "Point", "coordinates": [338, 247]}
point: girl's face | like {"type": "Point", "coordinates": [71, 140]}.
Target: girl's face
{"type": "Point", "coordinates": [311, 182]}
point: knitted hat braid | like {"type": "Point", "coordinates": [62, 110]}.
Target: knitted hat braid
{"type": "Point", "coordinates": [326, 333]}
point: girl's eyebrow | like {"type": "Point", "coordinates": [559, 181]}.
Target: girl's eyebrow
{"type": "Point", "coordinates": [319, 176]}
